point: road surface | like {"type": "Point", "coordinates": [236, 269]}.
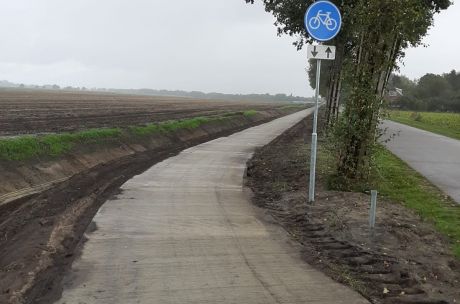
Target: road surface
{"type": "Point", "coordinates": [185, 232]}
{"type": "Point", "coordinates": [435, 156]}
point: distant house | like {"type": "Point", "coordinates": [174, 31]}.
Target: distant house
{"type": "Point", "coordinates": [394, 94]}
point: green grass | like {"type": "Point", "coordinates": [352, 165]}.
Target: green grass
{"type": "Point", "coordinates": [447, 124]}
{"type": "Point", "coordinates": [172, 125]}
{"type": "Point", "coordinates": [27, 147]}
{"type": "Point", "coordinates": [249, 113]}
{"type": "Point", "coordinates": [398, 182]}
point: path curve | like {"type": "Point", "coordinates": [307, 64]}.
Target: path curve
{"type": "Point", "coordinates": [185, 232]}
{"type": "Point", "coordinates": [434, 156]}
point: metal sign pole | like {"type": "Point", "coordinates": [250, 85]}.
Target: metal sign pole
{"type": "Point", "coordinates": [314, 139]}
{"type": "Point", "coordinates": [323, 21]}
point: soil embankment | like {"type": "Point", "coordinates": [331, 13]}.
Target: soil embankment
{"type": "Point", "coordinates": [404, 260]}
{"type": "Point", "coordinates": [49, 203]}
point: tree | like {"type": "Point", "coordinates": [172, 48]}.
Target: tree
{"type": "Point", "coordinates": [325, 75]}
{"type": "Point", "coordinates": [432, 85]}
{"type": "Point", "coordinates": [373, 37]}
{"type": "Point", "coordinates": [454, 80]}
{"type": "Point", "coordinates": [431, 93]}
{"type": "Point", "coordinates": [402, 82]}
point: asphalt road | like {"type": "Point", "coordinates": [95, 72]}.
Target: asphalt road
{"type": "Point", "coordinates": [185, 232]}
{"type": "Point", "coordinates": [434, 156]}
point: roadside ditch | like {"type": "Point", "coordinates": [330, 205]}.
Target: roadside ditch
{"type": "Point", "coordinates": [41, 227]}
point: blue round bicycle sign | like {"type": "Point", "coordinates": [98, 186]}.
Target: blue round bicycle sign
{"type": "Point", "coordinates": [323, 20]}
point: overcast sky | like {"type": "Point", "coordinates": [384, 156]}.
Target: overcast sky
{"type": "Point", "coordinates": [207, 45]}
{"type": "Point", "coordinates": [442, 53]}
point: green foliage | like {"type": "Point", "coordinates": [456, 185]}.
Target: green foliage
{"type": "Point", "coordinates": [326, 66]}
{"type": "Point", "coordinates": [431, 93]}
{"type": "Point", "coordinates": [447, 124]}
{"type": "Point", "coordinates": [454, 80]}
{"type": "Point", "coordinates": [381, 34]}
{"type": "Point", "coordinates": [431, 85]}
{"type": "Point", "coordinates": [402, 82]}
{"type": "Point", "coordinates": [372, 39]}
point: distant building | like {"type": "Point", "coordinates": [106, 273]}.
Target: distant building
{"type": "Point", "coordinates": [393, 95]}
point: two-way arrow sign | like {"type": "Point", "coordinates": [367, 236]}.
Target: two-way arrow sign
{"type": "Point", "coordinates": [325, 52]}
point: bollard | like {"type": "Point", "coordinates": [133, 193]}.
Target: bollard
{"type": "Point", "coordinates": [311, 192]}
{"type": "Point", "coordinates": [373, 210]}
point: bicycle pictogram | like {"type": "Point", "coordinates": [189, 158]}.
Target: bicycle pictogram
{"type": "Point", "coordinates": [324, 19]}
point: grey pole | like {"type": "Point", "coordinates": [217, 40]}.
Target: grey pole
{"type": "Point", "coordinates": [373, 210]}
{"type": "Point", "coordinates": [314, 139]}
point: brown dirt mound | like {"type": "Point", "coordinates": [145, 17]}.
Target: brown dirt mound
{"type": "Point", "coordinates": [404, 260]}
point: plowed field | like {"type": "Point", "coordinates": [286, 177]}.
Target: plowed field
{"type": "Point", "coordinates": [28, 111]}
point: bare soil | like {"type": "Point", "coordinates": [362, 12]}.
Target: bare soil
{"type": "Point", "coordinates": [39, 234]}
{"type": "Point", "coordinates": [32, 111]}
{"type": "Point", "coordinates": [404, 260]}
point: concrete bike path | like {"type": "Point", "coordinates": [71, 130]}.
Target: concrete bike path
{"type": "Point", "coordinates": [434, 156]}
{"type": "Point", "coordinates": [185, 232]}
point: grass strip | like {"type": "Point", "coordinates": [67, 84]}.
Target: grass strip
{"type": "Point", "coordinates": [249, 113]}
{"type": "Point", "coordinates": [447, 124]}
{"type": "Point", "coordinates": [173, 125]}
{"type": "Point", "coordinates": [398, 182]}
{"type": "Point", "coordinates": [27, 147]}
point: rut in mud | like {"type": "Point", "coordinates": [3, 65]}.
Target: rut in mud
{"type": "Point", "coordinates": [404, 261]}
